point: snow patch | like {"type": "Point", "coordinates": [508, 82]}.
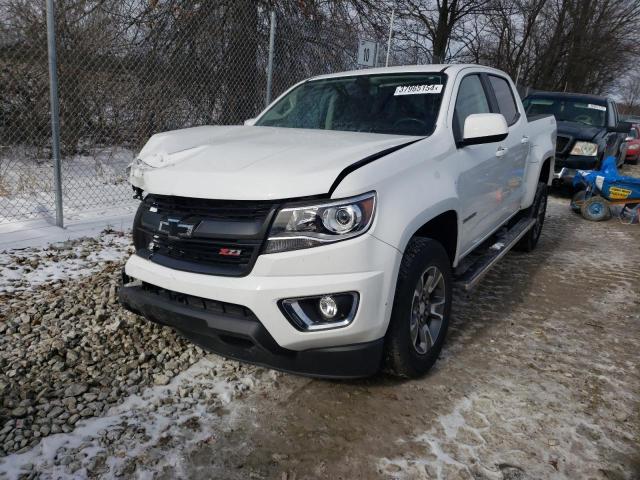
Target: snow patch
{"type": "Point", "coordinates": [23, 269]}
{"type": "Point", "coordinates": [140, 423]}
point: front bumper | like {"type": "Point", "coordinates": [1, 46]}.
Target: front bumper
{"type": "Point", "coordinates": [234, 333]}
{"type": "Point", "coordinates": [565, 167]}
{"type": "Point", "coordinates": [365, 265]}
{"type": "Point", "coordinates": [564, 175]}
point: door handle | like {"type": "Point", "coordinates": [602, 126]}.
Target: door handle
{"type": "Point", "coordinates": [524, 140]}
{"type": "Point", "coordinates": [501, 152]}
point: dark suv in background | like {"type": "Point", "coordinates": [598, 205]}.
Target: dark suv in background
{"type": "Point", "coordinates": [589, 129]}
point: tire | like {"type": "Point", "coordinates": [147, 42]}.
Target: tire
{"type": "Point", "coordinates": [537, 211]}
{"type": "Point", "coordinates": [596, 209]}
{"type": "Point", "coordinates": [578, 199]}
{"type": "Point", "coordinates": [410, 350]}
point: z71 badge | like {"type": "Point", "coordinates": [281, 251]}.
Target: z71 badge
{"type": "Point", "coordinates": [230, 252]}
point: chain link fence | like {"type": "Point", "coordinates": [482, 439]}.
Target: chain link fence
{"type": "Point", "coordinates": [128, 69]}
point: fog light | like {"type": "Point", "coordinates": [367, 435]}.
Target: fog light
{"type": "Point", "coordinates": [328, 307]}
{"type": "Point", "coordinates": [320, 312]}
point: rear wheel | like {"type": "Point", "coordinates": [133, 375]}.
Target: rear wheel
{"type": "Point", "coordinates": [421, 309]}
{"type": "Point", "coordinates": [537, 211]}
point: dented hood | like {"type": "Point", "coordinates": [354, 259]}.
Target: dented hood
{"type": "Point", "coordinates": [252, 163]}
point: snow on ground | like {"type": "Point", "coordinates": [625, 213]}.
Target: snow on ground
{"type": "Point", "coordinates": [93, 183]}
{"type": "Point", "coordinates": [92, 389]}
{"type": "Point", "coordinates": [538, 379]}
{"type": "Point", "coordinates": [26, 268]}
{"type": "Point", "coordinates": [193, 409]}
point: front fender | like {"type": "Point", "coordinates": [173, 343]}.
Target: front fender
{"type": "Point", "coordinates": [414, 185]}
{"type": "Point", "coordinates": [426, 215]}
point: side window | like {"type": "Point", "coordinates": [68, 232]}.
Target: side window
{"type": "Point", "coordinates": [504, 96]}
{"type": "Point", "coordinates": [471, 99]}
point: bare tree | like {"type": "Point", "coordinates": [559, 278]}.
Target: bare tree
{"type": "Point", "coordinates": [129, 68]}
{"type": "Point", "coordinates": [426, 27]}
{"type": "Point", "coordinates": [440, 19]}
{"type": "Point", "coordinates": [573, 45]}
{"type": "Point", "coordinates": [630, 93]}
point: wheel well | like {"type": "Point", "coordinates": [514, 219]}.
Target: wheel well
{"type": "Point", "coordinates": [444, 229]}
{"type": "Point", "coordinates": [545, 171]}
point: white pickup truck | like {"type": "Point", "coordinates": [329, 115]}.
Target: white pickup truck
{"type": "Point", "coordinates": [325, 236]}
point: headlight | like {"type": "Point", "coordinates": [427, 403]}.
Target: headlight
{"type": "Point", "coordinates": [306, 226]}
{"type": "Point", "coordinates": [587, 149]}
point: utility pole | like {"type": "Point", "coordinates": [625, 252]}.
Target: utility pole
{"type": "Point", "coordinates": [393, 11]}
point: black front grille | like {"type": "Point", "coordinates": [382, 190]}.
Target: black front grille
{"type": "Point", "coordinates": [562, 143]}
{"type": "Point", "coordinates": [216, 237]}
{"type": "Point", "coordinates": [219, 209]}
{"type": "Point", "coordinates": [207, 251]}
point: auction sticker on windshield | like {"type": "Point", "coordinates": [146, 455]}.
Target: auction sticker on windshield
{"type": "Point", "coordinates": [417, 89]}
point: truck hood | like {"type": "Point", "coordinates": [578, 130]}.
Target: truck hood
{"type": "Point", "coordinates": [252, 163]}
{"type": "Point", "coordinates": [578, 131]}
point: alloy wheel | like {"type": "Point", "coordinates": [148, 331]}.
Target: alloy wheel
{"type": "Point", "coordinates": [427, 310]}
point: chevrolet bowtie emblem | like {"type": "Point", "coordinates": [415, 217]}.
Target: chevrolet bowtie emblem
{"type": "Point", "coordinates": [176, 228]}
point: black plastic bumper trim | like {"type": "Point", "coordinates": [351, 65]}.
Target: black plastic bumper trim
{"type": "Point", "coordinates": [247, 340]}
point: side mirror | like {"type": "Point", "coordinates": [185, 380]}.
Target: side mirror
{"type": "Point", "coordinates": [484, 128]}
{"type": "Point", "coordinates": [621, 127]}
{"type": "Point", "coordinates": [250, 122]}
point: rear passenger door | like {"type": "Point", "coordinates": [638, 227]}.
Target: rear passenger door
{"type": "Point", "coordinates": [514, 150]}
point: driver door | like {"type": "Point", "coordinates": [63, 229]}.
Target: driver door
{"type": "Point", "coordinates": [479, 181]}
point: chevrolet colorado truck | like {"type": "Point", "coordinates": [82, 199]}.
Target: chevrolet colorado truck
{"type": "Point", "coordinates": [589, 130]}
{"type": "Point", "coordinates": [325, 236]}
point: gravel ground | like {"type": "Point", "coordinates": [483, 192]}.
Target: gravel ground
{"type": "Point", "coordinates": [539, 379]}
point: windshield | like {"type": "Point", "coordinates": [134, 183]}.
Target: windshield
{"type": "Point", "coordinates": [401, 104]}
{"type": "Point", "coordinates": [568, 110]}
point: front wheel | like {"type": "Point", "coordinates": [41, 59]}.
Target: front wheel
{"type": "Point", "coordinates": [421, 309]}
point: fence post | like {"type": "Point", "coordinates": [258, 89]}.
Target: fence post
{"type": "Point", "coordinates": [272, 38]}
{"type": "Point", "coordinates": [55, 112]}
